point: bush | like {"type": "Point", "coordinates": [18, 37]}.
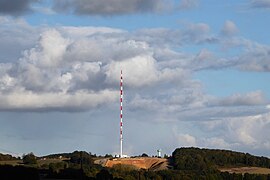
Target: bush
{"type": "Point", "coordinates": [144, 155]}
{"type": "Point", "coordinates": [29, 159]}
{"type": "Point", "coordinates": [83, 157]}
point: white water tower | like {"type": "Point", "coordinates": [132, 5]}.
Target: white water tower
{"type": "Point", "coordinates": [159, 153]}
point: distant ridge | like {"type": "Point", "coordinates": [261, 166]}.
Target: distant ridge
{"type": "Point", "coordinates": [196, 158]}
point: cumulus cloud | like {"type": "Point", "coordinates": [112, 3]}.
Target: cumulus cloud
{"type": "Point", "coordinates": [15, 7]}
{"type": "Point", "coordinates": [79, 101]}
{"type": "Point", "coordinates": [249, 99]}
{"type": "Point", "coordinates": [251, 56]}
{"type": "Point", "coordinates": [198, 33]}
{"type": "Point", "coordinates": [112, 7]}
{"type": "Point", "coordinates": [229, 28]}
{"type": "Point", "coordinates": [206, 59]}
{"type": "Point", "coordinates": [67, 61]}
{"type": "Point", "coordinates": [73, 69]}
{"type": "Point", "coordinates": [256, 58]}
{"type": "Point", "coordinates": [139, 70]}
{"type": "Point", "coordinates": [43, 80]}
{"type": "Point", "coordinates": [241, 132]}
{"type": "Point", "coordinates": [186, 140]}
{"type": "Point", "coordinates": [246, 133]}
{"type": "Point", "coordinates": [49, 52]}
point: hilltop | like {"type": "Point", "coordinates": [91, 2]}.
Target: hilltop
{"type": "Point", "coordinates": [185, 163]}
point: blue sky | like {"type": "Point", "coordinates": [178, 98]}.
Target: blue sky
{"type": "Point", "coordinates": [195, 73]}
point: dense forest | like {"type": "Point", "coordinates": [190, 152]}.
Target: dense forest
{"type": "Point", "coordinates": [195, 158]}
{"type": "Point", "coordinates": [185, 163]}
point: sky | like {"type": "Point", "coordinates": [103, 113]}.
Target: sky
{"type": "Point", "coordinates": [195, 73]}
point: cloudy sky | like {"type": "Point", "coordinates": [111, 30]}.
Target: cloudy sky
{"type": "Point", "coordinates": [196, 73]}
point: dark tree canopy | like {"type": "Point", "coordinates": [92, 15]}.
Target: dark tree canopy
{"type": "Point", "coordinates": [83, 157]}
{"type": "Point", "coordinates": [29, 159]}
{"type": "Point", "coordinates": [144, 155]}
{"type": "Point", "coordinates": [195, 158]}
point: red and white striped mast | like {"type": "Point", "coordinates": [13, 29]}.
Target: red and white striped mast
{"type": "Point", "coordinates": [121, 115]}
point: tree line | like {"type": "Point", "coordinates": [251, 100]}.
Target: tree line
{"type": "Point", "coordinates": [7, 157]}
{"type": "Point", "coordinates": [185, 163]}
{"type": "Point", "coordinates": [195, 158]}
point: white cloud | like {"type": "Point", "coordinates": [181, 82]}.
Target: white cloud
{"type": "Point", "coordinates": [197, 33]}
{"type": "Point", "coordinates": [240, 132]}
{"type": "Point", "coordinates": [49, 52]}
{"type": "Point", "coordinates": [215, 142]}
{"type": "Point", "coordinates": [249, 99]}
{"type": "Point", "coordinates": [206, 59]}
{"type": "Point", "coordinates": [138, 71]}
{"type": "Point", "coordinates": [251, 56]}
{"type": "Point", "coordinates": [186, 140]}
{"type": "Point", "coordinates": [22, 100]}
{"type": "Point", "coordinates": [256, 58]}
{"type": "Point", "coordinates": [247, 134]}
{"type": "Point", "coordinates": [229, 28]}
{"type": "Point", "coordinates": [69, 60]}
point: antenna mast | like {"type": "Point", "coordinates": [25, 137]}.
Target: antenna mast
{"type": "Point", "coordinates": [121, 115]}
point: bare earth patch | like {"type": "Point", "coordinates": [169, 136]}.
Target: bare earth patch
{"type": "Point", "coordinates": [140, 163]}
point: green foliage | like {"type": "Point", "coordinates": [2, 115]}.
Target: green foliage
{"type": "Point", "coordinates": [165, 156]}
{"type": "Point", "coordinates": [56, 156]}
{"type": "Point", "coordinates": [144, 155]}
{"type": "Point", "coordinates": [201, 159]}
{"type": "Point", "coordinates": [56, 167]}
{"type": "Point", "coordinates": [7, 157]}
{"type": "Point", "coordinates": [29, 159]}
{"type": "Point", "coordinates": [66, 155]}
{"type": "Point", "coordinates": [83, 157]}
{"type": "Point", "coordinates": [108, 156]}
